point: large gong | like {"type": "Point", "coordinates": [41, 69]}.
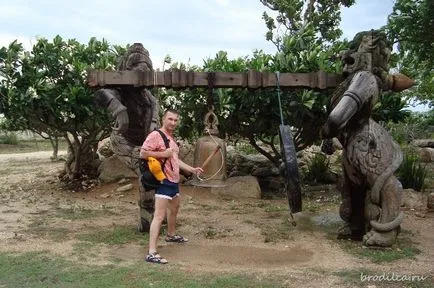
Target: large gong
{"type": "Point", "coordinates": [290, 169]}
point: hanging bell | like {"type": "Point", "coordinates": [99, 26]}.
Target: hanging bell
{"type": "Point", "coordinates": [210, 154]}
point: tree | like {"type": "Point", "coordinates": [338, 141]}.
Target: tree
{"type": "Point", "coordinates": [306, 35]}
{"type": "Point", "coordinates": [390, 108]}
{"type": "Point", "coordinates": [411, 26]}
{"type": "Point", "coordinates": [255, 115]}
{"type": "Point", "coordinates": [45, 90]}
{"type": "Point", "coordinates": [293, 15]}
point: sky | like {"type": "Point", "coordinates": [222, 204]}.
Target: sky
{"type": "Point", "coordinates": [187, 30]}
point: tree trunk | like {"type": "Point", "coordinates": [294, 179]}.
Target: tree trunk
{"type": "Point", "coordinates": [82, 159]}
{"type": "Point", "coordinates": [55, 144]}
{"type": "Point", "coordinates": [273, 159]}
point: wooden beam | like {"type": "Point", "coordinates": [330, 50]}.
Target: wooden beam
{"type": "Point", "coordinates": [180, 79]}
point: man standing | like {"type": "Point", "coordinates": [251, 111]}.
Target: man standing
{"type": "Point", "coordinates": [167, 197]}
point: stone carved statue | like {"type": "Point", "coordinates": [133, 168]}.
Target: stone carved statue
{"type": "Point", "coordinates": [136, 113]}
{"type": "Point", "coordinates": [371, 194]}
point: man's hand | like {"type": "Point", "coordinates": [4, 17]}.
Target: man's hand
{"type": "Point", "coordinates": [168, 153]}
{"type": "Point", "coordinates": [196, 170]}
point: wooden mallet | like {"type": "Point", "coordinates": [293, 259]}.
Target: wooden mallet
{"type": "Point", "coordinates": [207, 160]}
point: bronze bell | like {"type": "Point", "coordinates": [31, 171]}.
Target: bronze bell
{"type": "Point", "coordinates": [210, 154]}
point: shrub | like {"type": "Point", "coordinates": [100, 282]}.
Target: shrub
{"type": "Point", "coordinates": [411, 173]}
{"type": "Point", "coordinates": [417, 126]}
{"type": "Point", "coordinates": [318, 168]}
{"type": "Point", "coordinates": [404, 133]}
{"type": "Point", "coordinates": [246, 148]}
{"type": "Point", "coordinates": [9, 138]}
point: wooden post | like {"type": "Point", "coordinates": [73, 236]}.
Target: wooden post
{"type": "Point", "coordinates": [167, 79]}
{"type": "Point", "coordinates": [176, 78]}
{"type": "Point", "coordinates": [190, 79]}
{"type": "Point", "coordinates": [254, 79]}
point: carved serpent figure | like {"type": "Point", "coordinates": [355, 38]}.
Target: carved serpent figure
{"type": "Point", "coordinates": [136, 113]}
{"type": "Point", "coordinates": [371, 194]}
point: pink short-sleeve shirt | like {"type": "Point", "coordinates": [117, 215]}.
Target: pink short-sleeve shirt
{"type": "Point", "coordinates": [154, 142]}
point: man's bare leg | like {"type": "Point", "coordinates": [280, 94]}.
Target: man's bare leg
{"type": "Point", "coordinates": [159, 214]}
{"type": "Point", "coordinates": [172, 213]}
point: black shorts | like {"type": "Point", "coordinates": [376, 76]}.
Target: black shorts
{"type": "Point", "coordinates": [167, 190]}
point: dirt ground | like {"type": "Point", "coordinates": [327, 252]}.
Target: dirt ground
{"type": "Point", "coordinates": [226, 235]}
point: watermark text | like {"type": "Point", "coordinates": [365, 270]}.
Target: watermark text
{"type": "Point", "coordinates": [392, 277]}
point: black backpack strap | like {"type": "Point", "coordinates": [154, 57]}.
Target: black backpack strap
{"type": "Point", "coordinates": [167, 144]}
{"type": "Point", "coordinates": [165, 139]}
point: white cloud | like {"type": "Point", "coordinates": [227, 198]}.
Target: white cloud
{"type": "Point", "coordinates": [194, 29]}
{"type": "Point", "coordinates": [193, 53]}
{"type": "Point", "coordinates": [6, 39]}
{"type": "Point", "coordinates": [365, 15]}
{"type": "Point", "coordinates": [232, 25]}
{"type": "Point", "coordinates": [222, 2]}
{"type": "Point", "coordinates": [13, 11]}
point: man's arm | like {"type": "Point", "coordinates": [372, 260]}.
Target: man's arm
{"type": "Point", "coordinates": [144, 154]}
{"type": "Point", "coordinates": [152, 147]}
{"type": "Point", "coordinates": [189, 169]}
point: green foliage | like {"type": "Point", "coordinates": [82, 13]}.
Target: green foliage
{"type": "Point", "coordinates": [254, 115]}
{"type": "Point", "coordinates": [390, 108]}
{"type": "Point", "coordinates": [303, 52]}
{"type": "Point", "coordinates": [411, 173]}
{"type": "Point", "coordinates": [323, 15]}
{"type": "Point", "coordinates": [45, 90]}
{"type": "Point", "coordinates": [47, 85]}
{"type": "Point", "coordinates": [400, 132]}
{"type": "Point", "coordinates": [411, 25]}
{"type": "Point", "coordinates": [246, 148]}
{"type": "Point", "coordinates": [318, 168]}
